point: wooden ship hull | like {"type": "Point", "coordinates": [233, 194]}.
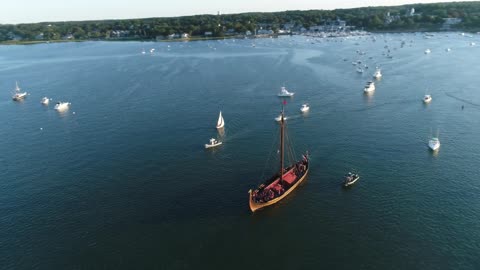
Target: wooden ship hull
{"type": "Point", "coordinates": [255, 204]}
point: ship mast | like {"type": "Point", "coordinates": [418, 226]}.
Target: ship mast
{"type": "Point", "coordinates": [282, 124]}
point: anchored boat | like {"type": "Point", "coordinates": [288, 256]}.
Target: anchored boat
{"type": "Point", "coordinates": [18, 96]}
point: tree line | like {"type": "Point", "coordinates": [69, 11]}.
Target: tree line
{"type": "Point", "coordinates": [397, 18]}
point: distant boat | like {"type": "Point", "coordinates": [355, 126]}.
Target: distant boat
{"type": "Point", "coordinates": [18, 96]}
{"type": "Point", "coordinates": [45, 101]}
{"type": "Point", "coordinates": [281, 184]}
{"type": "Point", "coordinates": [427, 99]}
{"type": "Point", "coordinates": [62, 106]}
{"type": "Point", "coordinates": [305, 108]}
{"type": "Point", "coordinates": [472, 43]}
{"type": "Point", "coordinates": [350, 179]}
{"type": "Point", "coordinates": [220, 121]}
{"type": "Point", "coordinates": [369, 87]}
{"type": "Point", "coordinates": [284, 92]}
{"type": "Point", "coordinates": [359, 70]}
{"type": "Point", "coordinates": [434, 143]}
{"type": "Point", "coordinates": [152, 50]}
{"type": "Point", "coordinates": [143, 51]}
{"type": "Point", "coordinates": [448, 49]}
{"type": "Point", "coordinates": [427, 51]}
{"type": "Point", "coordinates": [378, 74]}
{"type": "Point", "coordinates": [213, 143]}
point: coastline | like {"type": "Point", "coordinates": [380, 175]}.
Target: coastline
{"type": "Point", "coordinates": [35, 42]}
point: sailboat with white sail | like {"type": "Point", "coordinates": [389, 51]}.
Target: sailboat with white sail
{"type": "Point", "coordinates": [220, 121]}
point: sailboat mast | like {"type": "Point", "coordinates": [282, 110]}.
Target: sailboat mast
{"type": "Point", "coordinates": [282, 124]}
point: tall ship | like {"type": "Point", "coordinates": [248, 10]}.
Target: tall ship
{"type": "Point", "coordinates": [284, 181]}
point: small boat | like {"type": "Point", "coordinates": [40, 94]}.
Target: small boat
{"type": "Point", "coordinates": [282, 183]}
{"type": "Point", "coordinates": [143, 51]}
{"type": "Point", "coordinates": [305, 108]}
{"type": "Point", "coordinates": [284, 92]}
{"type": "Point", "coordinates": [220, 121]}
{"type": "Point", "coordinates": [427, 99]}
{"type": "Point", "coordinates": [213, 143]}
{"type": "Point", "coordinates": [448, 49]}
{"type": "Point", "coordinates": [18, 96]}
{"type": "Point", "coordinates": [378, 74]}
{"type": "Point", "coordinates": [45, 101]}
{"type": "Point", "coordinates": [152, 50]}
{"type": "Point", "coordinates": [350, 179]}
{"type": "Point", "coordinates": [427, 51]}
{"type": "Point", "coordinates": [369, 87]}
{"type": "Point", "coordinates": [62, 106]}
{"type": "Point", "coordinates": [434, 143]}
{"type": "Point", "coordinates": [359, 70]}
{"type": "Point", "coordinates": [472, 44]}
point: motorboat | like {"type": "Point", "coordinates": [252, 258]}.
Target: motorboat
{"type": "Point", "coordinates": [378, 74]}
{"type": "Point", "coordinates": [350, 179]}
{"type": "Point", "coordinates": [427, 51]}
{"type": "Point", "coordinates": [427, 99]}
{"type": "Point", "coordinates": [284, 92]}
{"type": "Point", "coordinates": [305, 108]}
{"type": "Point", "coordinates": [359, 70]}
{"type": "Point", "coordinates": [17, 95]}
{"type": "Point", "coordinates": [45, 101]}
{"type": "Point", "coordinates": [369, 87]}
{"type": "Point", "coordinates": [213, 143]}
{"type": "Point", "coordinates": [62, 106]}
{"type": "Point", "coordinates": [448, 49]}
{"type": "Point", "coordinates": [434, 143]}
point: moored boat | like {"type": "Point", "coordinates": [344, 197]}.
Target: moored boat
{"type": "Point", "coordinates": [427, 99]}
{"type": "Point", "coordinates": [378, 74]}
{"type": "Point", "coordinates": [282, 183]}
{"type": "Point", "coordinates": [62, 106]}
{"type": "Point", "coordinates": [305, 108]}
{"type": "Point", "coordinates": [350, 179]}
{"type": "Point", "coordinates": [45, 101]}
{"type": "Point", "coordinates": [285, 93]}
{"type": "Point", "coordinates": [17, 95]}
{"type": "Point", "coordinates": [369, 87]}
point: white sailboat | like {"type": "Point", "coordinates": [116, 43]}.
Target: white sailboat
{"type": "Point", "coordinates": [17, 96]}
{"type": "Point", "coordinates": [220, 121]}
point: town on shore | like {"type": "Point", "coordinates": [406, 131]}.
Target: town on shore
{"type": "Point", "coordinates": [454, 16]}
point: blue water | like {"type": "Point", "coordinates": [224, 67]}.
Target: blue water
{"type": "Point", "coordinates": [122, 180]}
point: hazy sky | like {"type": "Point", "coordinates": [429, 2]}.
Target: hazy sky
{"type": "Point", "coordinates": [22, 11]}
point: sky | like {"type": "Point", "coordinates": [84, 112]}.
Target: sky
{"type": "Point", "coordinates": [27, 11]}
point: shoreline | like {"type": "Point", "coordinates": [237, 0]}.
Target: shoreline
{"type": "Point", "coordinates": [35, 42]}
